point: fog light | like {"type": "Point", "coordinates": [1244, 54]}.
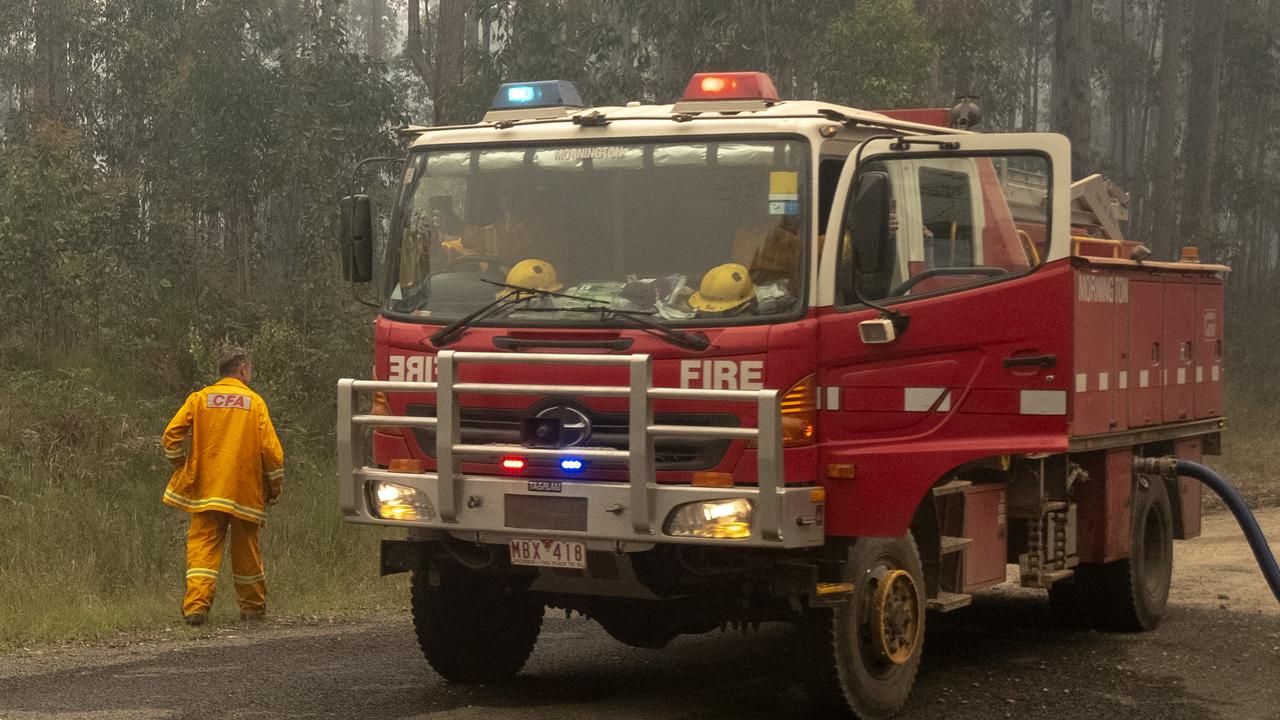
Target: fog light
{"type": "Point", "coordinates": [721, 519]}
{"type": "Point", "coordinates": [392, 501]}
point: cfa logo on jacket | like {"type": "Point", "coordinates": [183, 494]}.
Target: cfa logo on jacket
{"type": "Point", "coordinates": [228, 400]}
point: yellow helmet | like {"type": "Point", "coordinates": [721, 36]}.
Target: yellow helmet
{"type": "Point", "coordinates": [533, 274]}
{"type": "Point", "coordinates": [724, 287]}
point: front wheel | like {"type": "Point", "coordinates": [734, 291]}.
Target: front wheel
{"type": "Point", "coordinates": [867, 652]}
{"type": "Point", "coordinates": [473, 629]}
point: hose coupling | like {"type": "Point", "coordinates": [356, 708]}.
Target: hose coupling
{"type": "Point", "coordinates": [1162, 466]}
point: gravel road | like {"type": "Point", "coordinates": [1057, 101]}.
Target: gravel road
{"type": "Point", "coordinates": [1214, 657]}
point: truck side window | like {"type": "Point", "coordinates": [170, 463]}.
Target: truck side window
{"type": "Point", "coordinates": [958, 221]}
{"type": "Point", "coordinates": [828, 177]}
{"type": "Point", "coordinates": [946, 212]}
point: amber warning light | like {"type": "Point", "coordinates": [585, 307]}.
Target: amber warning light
{"type": "Point", "coordinates": [731, 86]}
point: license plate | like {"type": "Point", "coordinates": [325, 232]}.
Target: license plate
{"type": "Point", "coordinates": [543, 552]}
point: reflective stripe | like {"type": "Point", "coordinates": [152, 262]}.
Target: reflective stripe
{"type": "Point", "coordinates": [249, 579]}
{"type": "Point", "coordinates": [924, 399]}
{"type": "Point", "coordinates": [274, 474]}
{"type": "Point", "coordinates": [175, 452]}
{"type": "Point", "coordinates": [202, 572]}
{"type": "Point", "coordinates": [212, 504]}
{"type": "Point", "coordinates": [1043, 402]}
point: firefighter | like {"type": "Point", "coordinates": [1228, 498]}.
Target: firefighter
{"type": "Point", "coordinates": [725, 290]}
{"type": "Point", "coordinates": [228, 467]}
{"type": "Point", "coordinates": [770, 246]}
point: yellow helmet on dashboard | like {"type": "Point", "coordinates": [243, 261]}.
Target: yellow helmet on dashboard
{"type": "Point", "coordinates": [533, 274]}
{"type": "Point", "coordinates": [724, 288]}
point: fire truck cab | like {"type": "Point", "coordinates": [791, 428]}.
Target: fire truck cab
{"type": "Point", "coordinates": [737, 360]}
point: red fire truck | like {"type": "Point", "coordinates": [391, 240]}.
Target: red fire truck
{"type": "Point", "coordinates": [736, 360]}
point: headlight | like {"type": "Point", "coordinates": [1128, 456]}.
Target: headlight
{"type": "Point", "coordinates": [391, 501]}
{"type": "Point", "coordinates": [722, 519]}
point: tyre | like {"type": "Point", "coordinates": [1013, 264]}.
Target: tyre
{"type": "Point", "coordinates": [865, 655]}
{"type": "Point", "coordinates": [473, 629]}
{"type": "Point", "coordinates": [1135, 591]}
{"type": "Point", "coordinates": [1073, 602]}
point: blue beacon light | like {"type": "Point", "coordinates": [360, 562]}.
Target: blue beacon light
{"type": "Point", "coordinates": [520, 93]}
{"type": "Point", "coordinates": [572, 465]}
{"type": "Point", "coordinates": [537, 94]}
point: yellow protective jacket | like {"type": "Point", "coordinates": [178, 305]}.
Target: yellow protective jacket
{"type": "Point", "coordinates": [235, 463]}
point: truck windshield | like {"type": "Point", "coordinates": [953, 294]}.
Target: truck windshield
{"type": "Point", "coordinates": [685, 233]}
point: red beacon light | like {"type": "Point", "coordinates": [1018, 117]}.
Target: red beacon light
{"type": "Point", "coordinates": [755, 86]}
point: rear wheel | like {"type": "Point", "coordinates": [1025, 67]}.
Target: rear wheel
{"type": "Point", "coordinates": [473, 629]}
{"type": "Point", "coordinates": [1128, 595]}
{"type": "Point", "coordinates": [866, 653]}
{"type": "Point", "coordinates": [1135, 591]}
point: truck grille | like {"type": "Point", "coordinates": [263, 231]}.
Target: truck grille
{"type": "Point", "coordinates": [486, 426]}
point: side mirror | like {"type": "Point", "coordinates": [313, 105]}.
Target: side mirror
{"type": "Point", "coordinates": [356, 238]}
{"type": "Point", "coordinates": [874, 246]}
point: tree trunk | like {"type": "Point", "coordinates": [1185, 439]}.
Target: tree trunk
{"type": "Point", "coordinates": [1204, 98]}
{"type": "Point", "coordinates": [1070, 95]}
{"type": "Point", "coordinates": [377, 39]}
{"type": "Point", "coordinates": [450, 42]}
{"type": "Point", "coordinates": [1031, 89]}
{"type": "Point", "coordinates": [1164, 163]}
{"type": "Point", "coordinates": [416, 49]}
{"type": "Point", "coordinates": [50, 91]}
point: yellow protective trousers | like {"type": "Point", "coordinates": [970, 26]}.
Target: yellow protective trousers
{"type": "Point", "coordinates": [205, 538]}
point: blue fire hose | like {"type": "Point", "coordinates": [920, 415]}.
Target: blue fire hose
{"type": "Point", "coordinates": [1172, 467]}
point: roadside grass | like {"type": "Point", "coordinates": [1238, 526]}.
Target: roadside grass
{"type": "Point", "coordinates": [87, 550]}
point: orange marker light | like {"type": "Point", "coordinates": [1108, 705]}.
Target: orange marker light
{"type": "Point", "coordinates": [406, 465]}
{"type": "Point", "coordinates": [712, 479]}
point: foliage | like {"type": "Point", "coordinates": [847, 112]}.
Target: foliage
{"type": "Point", "coordinates": [878, 56]}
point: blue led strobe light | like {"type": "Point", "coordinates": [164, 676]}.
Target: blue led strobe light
{"type": "Point", "coordinates": [537, 94]}
{"type": "Point", "coordinates": [520, 93]}
{"type": "Point", "coordinates": [572, 465]}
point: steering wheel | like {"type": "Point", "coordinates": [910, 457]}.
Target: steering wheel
{"type": "Point", "coordinates": [914, 280]}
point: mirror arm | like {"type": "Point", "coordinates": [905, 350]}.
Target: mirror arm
{"type": "Point", "coordinates": [355, 171]}
{"type": "Point", "coordinates": [363, 301]}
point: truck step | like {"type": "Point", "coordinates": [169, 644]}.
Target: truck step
{"type": "Point", "coordinates": [952, 487]}
{"type": "Point", "coordinates": [952, 544]}
{"type": "Point", "coordinates": [948, 601]}
{"type": "Point", "coordinates": [1049, 577]}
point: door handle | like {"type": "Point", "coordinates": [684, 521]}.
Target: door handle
{"type": "Point", "coordinates": [1044, 361]}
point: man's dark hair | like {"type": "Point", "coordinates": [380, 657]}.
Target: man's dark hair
{"type": "Point", "coordinates": [231, 360]}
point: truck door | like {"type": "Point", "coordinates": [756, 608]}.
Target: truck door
{"type": "Point", "coordinates": [968, 293]}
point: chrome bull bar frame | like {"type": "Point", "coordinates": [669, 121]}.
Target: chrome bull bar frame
{"type": "Point", "coordinates": [783, 516]}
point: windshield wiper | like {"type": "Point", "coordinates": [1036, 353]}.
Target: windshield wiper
{"type": "Point", "coordinates": [518, 294]}
{"type": "Point", "coordinates": [450, 332]}
{"type": "Point", "coordinates": [453, 330]}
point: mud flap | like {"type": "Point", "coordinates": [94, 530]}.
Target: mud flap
{"type": "Point", "coordinates": [400, 556]}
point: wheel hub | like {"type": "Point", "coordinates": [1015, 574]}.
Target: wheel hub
{"type": "Point", "coordinates": [895, 620]}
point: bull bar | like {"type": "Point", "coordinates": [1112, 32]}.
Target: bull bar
{"type": "Point", "coordinates": [630, 512]}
